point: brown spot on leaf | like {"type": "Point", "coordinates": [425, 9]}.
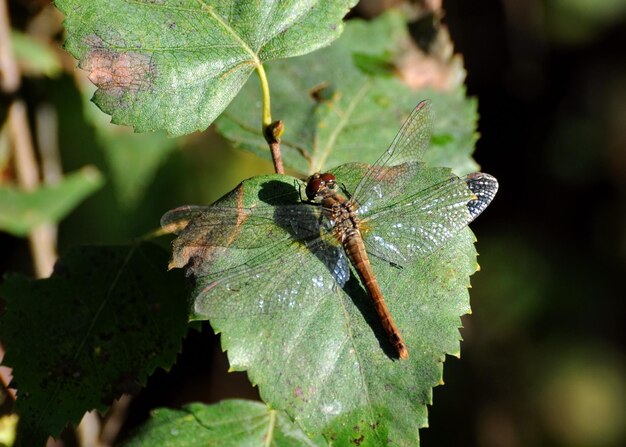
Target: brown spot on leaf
{"type": "Point", "coordinates": [321, 92]}
{"type": "Point", "coordinates": [297, 392]}
{"type": "Point", "coordinates": [359, 440]}
{"type": "Point", "coordinates": [116, 71]}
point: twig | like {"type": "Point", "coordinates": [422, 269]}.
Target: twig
{"type": "Point", "coordinates": [41, 239]}
{"type": "Point", "coordinates": [302, 151]}
{"type": "Point", "coordinates": [271, 130]}
{"type": "Point", "coordinates": [88, 430]}
{"type": "Point", "coordinates": [46, 128]}
{"type": "Point", "coordinates": [115, 419]}
{"type": "Point", "coordinates": [9, 73]}
{"type": "Point", "coordinates": [272, 135]}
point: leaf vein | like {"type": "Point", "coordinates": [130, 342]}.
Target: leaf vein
{"type": "Point", "coordinates": [360, 94]}
{"type": "Point", "coordinates": [230, 30]}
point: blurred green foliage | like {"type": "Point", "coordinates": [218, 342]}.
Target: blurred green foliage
{"type": "Point", "coordinates": [577, 21]}
{"type": "Point", "coordinates": [35, 58]}
{"type": "Point", "coordinates": [22, 211]}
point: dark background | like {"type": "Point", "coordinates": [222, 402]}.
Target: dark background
{"type": "Point", "coordinates": [543, 358]}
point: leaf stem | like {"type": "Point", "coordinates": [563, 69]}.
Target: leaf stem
{"type": "Point", "coordinates": [271, 130]}
{"type": "Point", "coordinates": [265, 89]}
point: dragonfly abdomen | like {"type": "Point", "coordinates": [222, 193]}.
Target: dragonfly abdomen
{"type": "Point", "coordinates": [342, 214]}
{"type": "Point", "coordinates": [355, 250]}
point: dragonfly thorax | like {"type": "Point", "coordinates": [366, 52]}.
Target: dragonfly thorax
{"type": "Point", "coordinates": [341, 214]}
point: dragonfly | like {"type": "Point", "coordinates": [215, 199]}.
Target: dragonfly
{"type": "Point", "coordinates": [319, 237]}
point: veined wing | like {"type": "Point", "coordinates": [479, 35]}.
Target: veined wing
{"type": "Point", "coordinates": [203, 230]}
{"type": "Point", "coordinates": [275, 278]}
{"type": "Point", "coordinates": [176, 220]}
{"type": "Point", "coordinates": [301, 219]}
{"type": "Point", "coordinates": [419, 224]}
{"type": "Point", "coordinates": [243, 252]}
{"type": "Point", "coordinates": [400, 162]}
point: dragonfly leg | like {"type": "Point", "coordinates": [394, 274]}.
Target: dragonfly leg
{"type": "Point", "coordinates": [345, 191]}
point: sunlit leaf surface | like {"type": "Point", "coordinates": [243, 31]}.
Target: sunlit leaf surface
{"type": "Point", "coordinates": [176, 64]}
{"type": "Point", "coordinates": [231, 423]}
{"type": "Point", "coordinates": [339, 105]}
{"type": "Point", "coordinates": [320, 353]}
{"type": "Point", "coordinates": [273, 279]}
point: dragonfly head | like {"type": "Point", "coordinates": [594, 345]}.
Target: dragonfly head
{"type": "Point", "coordinates": [318, 183]}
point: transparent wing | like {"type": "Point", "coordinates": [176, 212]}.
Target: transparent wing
{"type": "Point", "coordinates": [176, 220]}
{"type": "Point", "coordinates": [238, 227]}
{"type": "Point", "coordinates": [385, 184]}
{"type": "Point", "coordinates": [400, 162]}
{"type": "Point", "coordinates": [264, 283]}
{"type": "Point", "coordinates": [267, 256]}
{"type": "Point", "coordinates": [419, 224]}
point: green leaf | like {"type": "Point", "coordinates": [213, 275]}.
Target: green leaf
{"type": "Point", "coordinates": [104, 321]}
{"type": "Point", "coordinates": [374, 65]}
{"type": "Point", "coordinates": [176, 65]}
{"type": "Point", "coordinates": [21, 211]}
{"type": "Point", "coordinates": [34, 57]}
{"type": "Point", "coordinates": [336, 110]}
{"type": "Point", "coordinates": [231, 423]}
{"type": "Point", "coordinates": [133, 160]}
{"type": "Point", "coordinates": [319, 352]}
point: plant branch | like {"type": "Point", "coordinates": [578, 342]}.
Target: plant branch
{"type": "Point", "coordinates": [271, 130]}
{"type": "Point", "coordinates": [115, 419]}
{"type": "Point", "coordinates": [272, 135]}
{"type": "Point", "coordinates": [9, 73]}
{"type": "Point", "coordinates": [41, 239]}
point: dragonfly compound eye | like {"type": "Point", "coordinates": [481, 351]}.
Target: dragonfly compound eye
{"type": "Point", "coordinates": [329, 180]}
{"type": "Point", "coordinates": [313, 186]}
{"type": "Point", "coordinates": [318, 181]}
